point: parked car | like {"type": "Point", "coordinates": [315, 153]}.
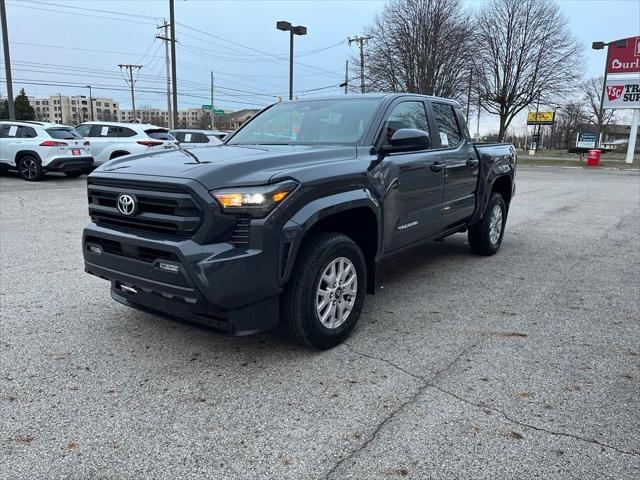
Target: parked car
{"type": "Point", "coordinates": [111, 140]}
{"type": "Point", "coordinates": [287, 221]}
{"type": "Point", "coordinates": [196, 138]}
{"type": "Point", "coordinates": [35, 148]}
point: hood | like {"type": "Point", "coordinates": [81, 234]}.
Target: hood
{"type": "Point", "coordinates": [224, 166]}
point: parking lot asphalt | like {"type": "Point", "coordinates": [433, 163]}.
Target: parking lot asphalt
{"type": "Point", "coordinates": [521, 365]}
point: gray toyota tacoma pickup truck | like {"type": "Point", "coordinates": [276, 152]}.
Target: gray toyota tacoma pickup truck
{"type": "Point", "coordinates": [285, 223]}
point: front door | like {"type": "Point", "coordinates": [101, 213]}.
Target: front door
{"type": "Point", "coordinates": [461, 173]}
{"type": "Point", "coordinates": [413, 202]}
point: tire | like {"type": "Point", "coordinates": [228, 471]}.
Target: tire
{"type": "Point", "coordinates": [30, 168]}
{"type": "Point", "coordinates": [485, 237]}
{"type": "Point", "coordinates": [74, 174]}
{"type": "Point", "coordinates": [301, 312]}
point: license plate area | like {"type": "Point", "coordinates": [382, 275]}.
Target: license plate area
{"type": "Point", "coordinates": [75, 151]}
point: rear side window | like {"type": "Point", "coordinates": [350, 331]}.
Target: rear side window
{"type": "Point", "coordinates": [63, 134]}
{"type": "Point", "coordinates": [448, 128]}
{"type": "Point", "coordinates": [121, 132]}
{"type": "Point", "coordinates": [159, 134]}
{"type": "Point", "coordinates": [195, 137]}
{"type": "Point", "coordinates": [26, 132]}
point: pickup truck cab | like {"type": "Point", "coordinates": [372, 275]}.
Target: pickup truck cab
{"type": "Point", "coordinates": [285, 224]}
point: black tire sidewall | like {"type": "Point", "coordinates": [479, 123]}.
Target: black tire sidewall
{"type": "Point", "coordinates": [38, 163]}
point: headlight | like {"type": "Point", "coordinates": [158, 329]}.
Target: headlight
{"type": "Point", "coordinates": [256, 201]}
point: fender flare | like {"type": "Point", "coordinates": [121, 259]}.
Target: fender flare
{"type": "Point", "coordinates": [22, 153]}
{"type": "Point", "coordinates": [489, 181]}
{"type": "Point", "coordinates": [304, 219]}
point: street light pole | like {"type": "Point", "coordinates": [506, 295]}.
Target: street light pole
{"type": "Point", "coordinates": [90, 102]}
{"type": "Point", "coordinates": [293, 30]}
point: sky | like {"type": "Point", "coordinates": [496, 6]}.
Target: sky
{"type": "Point", "coordinates": [82, 42]}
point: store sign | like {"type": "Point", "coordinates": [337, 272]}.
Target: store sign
{"type": "Point", "coordinates": [624, 56]}
{"type": "Point", "coordinates": [540, 118]}
{"type": "Point", "coordinates": [586, 140]}
{"type": "Point", "coordinates": [622, 93]}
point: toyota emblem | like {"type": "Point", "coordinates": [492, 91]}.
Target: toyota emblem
{"type": "Point", "coordinates": [126, 204]}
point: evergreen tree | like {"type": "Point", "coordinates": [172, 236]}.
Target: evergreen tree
{"type": "Point", "coordinates": [4, 109]}
{"type": "Point", "coordinates": [24, 110]}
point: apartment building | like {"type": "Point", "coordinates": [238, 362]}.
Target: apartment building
{"type": "Point", "coordinates": [73, 110]}
{"type": "Point", "coordinates": [190, 118]}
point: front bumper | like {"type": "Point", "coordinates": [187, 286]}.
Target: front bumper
{"type": "Point", "coordinates": [69, 164]}
{"type": "Point", "coordinates": [227, 288]}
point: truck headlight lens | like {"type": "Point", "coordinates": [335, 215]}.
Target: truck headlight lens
{"type": "Point", "coordinates": [258, 201]}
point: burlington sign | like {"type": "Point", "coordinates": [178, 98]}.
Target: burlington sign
{"type": "Point", "coordinates": [622, 93]}
{"type": "Point", "coordinates": [624, 58]}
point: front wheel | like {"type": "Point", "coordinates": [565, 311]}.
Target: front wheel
{"type": "Point", "coordinates": [323, 300]}
{"type": "Point", "coordinates": [485, 237]}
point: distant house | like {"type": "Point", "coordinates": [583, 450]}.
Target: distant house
{"type": "Point", "coordinates": [234, 120]}
{"type": "Point", "coordinates": [614, 137]}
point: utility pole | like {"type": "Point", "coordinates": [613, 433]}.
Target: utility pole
{"type": "Point", "coordinates": [478, 121]}
{"type": "Point", "coordinates": [131, 82]}
{"type": "Point", "coordinates": [174, 82]}
{"type": "Point", "coordinates": [469, 95]}
{"type": "Point", "coordinates": [346, 77]}
{"type": "Point", "coordinates": [7, 60]}
{"type": "Point", "coordinates": [213, 116]}
{"type": "Point", "coordinates": [361, 41]}
{"type": "Point", "coordinates": [166, 40]}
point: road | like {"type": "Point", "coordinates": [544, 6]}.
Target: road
{"type": "Point", "coordinates": [522, 365]}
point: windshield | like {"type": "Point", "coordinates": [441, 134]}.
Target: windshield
{"type": "Point", "coordinates": [309, 122]}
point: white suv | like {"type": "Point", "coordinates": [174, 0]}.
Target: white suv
{"type": "Point", "coordinates": [197, 138]}
{"type": "Point", "coordinates": [110, 140]}
{"type": "Point", "coordinates": [34, 148]}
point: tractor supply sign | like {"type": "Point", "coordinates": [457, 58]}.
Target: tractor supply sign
{"type": "Point", "coordinates": [624, 56]}
{"type": "Point", "coordinates": [622, 94]}
{"type": "Point", "coordinates": [540, 118]}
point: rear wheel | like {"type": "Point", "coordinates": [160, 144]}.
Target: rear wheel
{"type": "Point", "coordinates": [485, 237]}
{"type": "Point", "coordinates": [30, 168]}
{"type": "Point", "coordinates": [323, 300]}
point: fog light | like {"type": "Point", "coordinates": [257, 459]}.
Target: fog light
{"type": "Point", "coordinates": [95, 249]}
{"type": "Point", "coordinates": [169, 267]}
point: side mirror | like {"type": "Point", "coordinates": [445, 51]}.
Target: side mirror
{"type": "Point", "coordinates": [407, 140]}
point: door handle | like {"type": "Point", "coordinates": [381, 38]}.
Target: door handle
{"type": "Point", "coordinates": [472, 162]}
{"type": "Point", "coordinates": [437, 166]}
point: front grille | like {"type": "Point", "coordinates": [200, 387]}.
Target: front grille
{"type": "Point", "coordinates": [240, 236]}
{"type": "Point", "coordinates": [144, 254]}
{"type": "Point", "coordinates": [161, 209]}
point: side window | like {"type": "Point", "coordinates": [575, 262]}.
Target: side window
{"type": "Point", "coordinates": [84, 130]}
{"type": "Point", "coordinates": [26, 132]}
{"type": "Point", "coordinates": [127, 132]}
{"type": "Point", "coordinates": [9, 131]}
{"type": "Point", "coordinates": [200, 138]}
{"type": "Point", "coordinates": [448, 128]}
{"type": "Point", "coordinates": [4, 131]}
{"type": "Point", "coordinates": [179, 136]}
{"type": "Point", "coordinates": [406, 115]}
{"type": "Point", "coordinates": [114, 132]}
{"type": "Point", "coordinates": [99, 131]}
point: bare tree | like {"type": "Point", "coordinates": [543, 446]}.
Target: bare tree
{"type": "Point", "coordinates": [570, 119]}
{"type": "Point", "coordinates": [420, 46]}
{"type": "Point", "coordinates": [526, 54]}
{"type": "Point", "coordinates": [592, 90]}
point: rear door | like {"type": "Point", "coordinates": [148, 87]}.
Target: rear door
{"type": "Point", "coordinates": [459, 156]}
{"type": "Point", "coordinates": [97, 136]}
{"type": "Point", "coordinates": [9, 143]}
{"type": "Point", "coordinates": [412, 209]}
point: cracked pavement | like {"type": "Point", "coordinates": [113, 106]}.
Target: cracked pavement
{"type": "Point", "coordinates": [521, 365]}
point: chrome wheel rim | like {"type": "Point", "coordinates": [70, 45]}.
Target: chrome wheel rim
{"type": "Point", "coordinates": [495, 225]}
{"type": "Point", "coordinates": [336, 292]}
{"type": "Point", "coordinates": [29, 168]}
